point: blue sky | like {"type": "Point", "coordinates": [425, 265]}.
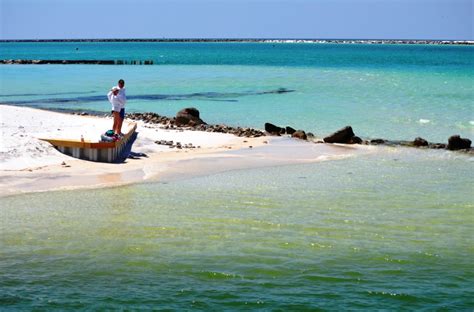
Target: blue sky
{"type": "Point", "coordinates": [378, 19]}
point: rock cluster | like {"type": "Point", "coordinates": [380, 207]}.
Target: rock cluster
{"type": "Point", "coordinates": [276, 130]}
{"type": "Point", "coordinates": [346, 136]}
{"type": "Point", "coordinates": [189, 119]}
{"type": "Point", "coordinates": [455, 143]}
{"type": "Point", "coordinates": [178, 145]}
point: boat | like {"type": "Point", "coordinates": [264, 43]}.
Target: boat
{"type": "Point", "coordinates": [95, 151]}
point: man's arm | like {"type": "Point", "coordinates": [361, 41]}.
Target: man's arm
{"type": "Point", "coordinates": [122, 98]}
{"type": "Point", "coordinates": [109, 96]}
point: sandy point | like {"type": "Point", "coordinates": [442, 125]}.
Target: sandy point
{"type": "Point", "coordinates": [28, 164]}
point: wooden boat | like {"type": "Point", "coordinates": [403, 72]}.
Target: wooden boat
{"type": "Point", "coordinates": [94, 151]}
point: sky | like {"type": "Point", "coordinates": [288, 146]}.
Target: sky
{"type": "Point", "coordinates": [315, 19]}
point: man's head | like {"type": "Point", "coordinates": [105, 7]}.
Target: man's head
{"type": "Point", "coordinates": [121, 83]}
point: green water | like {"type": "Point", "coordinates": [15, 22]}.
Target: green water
{"type": "Point", "coordinates": [388, 231]}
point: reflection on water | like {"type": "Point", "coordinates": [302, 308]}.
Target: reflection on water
{"type": "Point", "coordinates": [213, 96]}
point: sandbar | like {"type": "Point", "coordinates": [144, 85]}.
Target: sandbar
{"type": "Point", "coordinates": [28, 164]}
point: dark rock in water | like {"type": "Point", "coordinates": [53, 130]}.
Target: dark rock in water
{"type": "Point", "coordinates": [290, 130]}
{"type": "Point", "coordinates": [377, 141]}
{"type": "Point", "coordinates": [420, 142]}
{"type": "Point", "coordinates": [455, 142]}
{"type": "Point", "coordinates": [341, 136]}
{"type": "Point", "coordinates": [310, 135]}
{"type": "Point", "coordinates": [300, 134]}
{"type": "Point", "coordinates": [187, 115]}
{"type": "Point", "coordinates": [355, 140]}
{"type": "Point", "coordinates": [274, 130]}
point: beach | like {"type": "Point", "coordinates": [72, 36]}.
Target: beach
{"type": "Point", "coordinates": [29, 164]}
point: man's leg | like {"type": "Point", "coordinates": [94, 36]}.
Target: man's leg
{"type": "Point", "coordinates": [121, 118]}
{"type": "Point", "coordinates": [116, 122]}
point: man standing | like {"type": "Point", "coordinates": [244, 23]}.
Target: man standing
{"type": "Point", "coordinates": [113, 97]}
{"type": "Point", "coordinates": [122, 98]}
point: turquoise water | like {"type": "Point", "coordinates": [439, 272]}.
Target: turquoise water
{"type": "Point", "coordinates": [384, 231]}
{"type": "Point", "coordinates": [387, 231]}
{"type": "Point", "coordinates": [394, 92]}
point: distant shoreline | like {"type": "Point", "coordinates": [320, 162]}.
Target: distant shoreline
{"type": "Point", "coordinates": [223, 40]}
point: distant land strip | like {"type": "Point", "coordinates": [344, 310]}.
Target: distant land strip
{"type": "Point", "coordinates": [66, 62]}
{"type": "Point", "coordinates": [223, 40]}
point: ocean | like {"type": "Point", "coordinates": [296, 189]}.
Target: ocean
{"type": "Point", "coordinates": [388, 230]}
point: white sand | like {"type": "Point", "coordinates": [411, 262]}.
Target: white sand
{"type": "Point", "coordinates": [28, 164]}
{"type": "Point", "coordinates": [21, 128]}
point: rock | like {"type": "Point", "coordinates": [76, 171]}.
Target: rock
{"type": "Point", "coordinates": [290, 130]}
{"type": "Point", "coordinates": [455, 142]}
{"type": "Point", "coordinates": [187, 115]}
{"type": "Point", "coordinates": [343, 135]}
{"type": "Point", "coordinates": [189, 111]}
{"type": "Point", "coordinates": [300, 134]}
{"type": "Point", "coordinates": [274, 130]}
{"type": "Point", "coordinates": [420, 142]}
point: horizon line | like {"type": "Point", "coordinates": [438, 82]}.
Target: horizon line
{"type": "Point", "coordinates": [243, 39]}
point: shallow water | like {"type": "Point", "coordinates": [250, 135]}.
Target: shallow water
{"type": "Point", "coordinates": [388, 230]}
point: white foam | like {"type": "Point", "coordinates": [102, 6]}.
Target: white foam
{"type": "Point", "coordinates": [424, 121]}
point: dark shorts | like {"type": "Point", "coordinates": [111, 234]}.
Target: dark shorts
{"type": "Point", "coordinates": [122, 113]}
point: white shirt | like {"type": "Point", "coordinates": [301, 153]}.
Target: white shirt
{"type": "Point", "coordinates": [122, 97]}
{"type": "Point", "coordinates": [115, 101]}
